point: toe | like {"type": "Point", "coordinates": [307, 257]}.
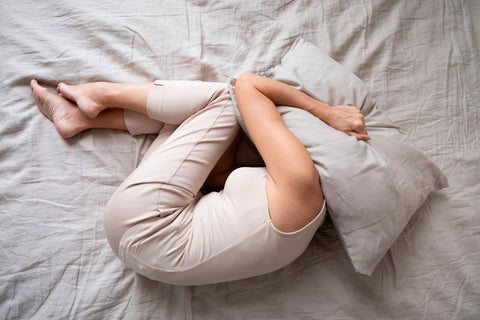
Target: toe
{"type": "Point", "coordinates": [65, 91]}
{"type": "Point", "coordinates": [34, 84]}
{"type": "Point", "coordinates": [37, 89]}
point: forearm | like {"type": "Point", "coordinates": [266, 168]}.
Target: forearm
{"type": "Point", "coordinates": [347, 119]}
{"type": "Point", "coordinates": [282, 94]}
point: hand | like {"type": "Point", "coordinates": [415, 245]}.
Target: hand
{"type": "Point", "coordinates": [349, 120]}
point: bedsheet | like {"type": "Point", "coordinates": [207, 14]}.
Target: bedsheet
{"type": "Point", "coordinates": [418, 58]}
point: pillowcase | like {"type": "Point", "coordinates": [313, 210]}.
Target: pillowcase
{"type": "Point", "coordinates": [372, 188]}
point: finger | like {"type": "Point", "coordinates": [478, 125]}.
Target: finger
{"type": "Point", "coordinates": [365, 137]}
{"type": "Point", "coordinates": [359, 136]}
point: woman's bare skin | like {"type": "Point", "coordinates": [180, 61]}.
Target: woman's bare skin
{"type": "Point", "coordinates": [87, 96]}
{"type": "Point", "coordinates": [65, 115]}
{"type": "Point", "coordinates": [68, 118]}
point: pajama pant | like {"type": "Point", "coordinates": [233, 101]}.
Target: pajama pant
{"type": "Point", "coordinates": [161, 226]}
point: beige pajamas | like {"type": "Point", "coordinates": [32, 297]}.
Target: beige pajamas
{"type": "Point", "coordinates": [158, 222]}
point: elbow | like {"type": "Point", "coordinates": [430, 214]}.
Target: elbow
{"type": "Point", "coordinates": [243, 87]}
{"type": "Point", "coordinates": [245, 80]}
{"type": "Point", "coordinates": [246, 85]}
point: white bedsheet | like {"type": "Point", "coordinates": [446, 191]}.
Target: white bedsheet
{"type": "Point", "coordinates": [419, 59]}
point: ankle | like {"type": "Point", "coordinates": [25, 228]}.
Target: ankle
{"type": "Point", "coordinates": [105, 93]}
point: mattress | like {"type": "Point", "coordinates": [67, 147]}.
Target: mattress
{"type": "Point", "coordinates": [419, 60]}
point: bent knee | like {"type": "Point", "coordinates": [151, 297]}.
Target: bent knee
{"type": "Point", "coordinates": [133, 203]}
{"type": "Point", "coordinates": [127, 206]}
{"type": "Point", "coordinates": [114, 220]}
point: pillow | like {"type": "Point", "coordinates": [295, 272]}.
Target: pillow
{"type": "Point", "coordinates": [372, 188]}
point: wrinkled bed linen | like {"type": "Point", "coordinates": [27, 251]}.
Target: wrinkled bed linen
{"type": "Point", "coordinates": [419, 61]}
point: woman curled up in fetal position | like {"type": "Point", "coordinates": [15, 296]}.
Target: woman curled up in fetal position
{"type": "Point", "coordinates": [157, 221]}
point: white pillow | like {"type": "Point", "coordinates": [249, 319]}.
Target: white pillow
{"type": "Point", "coordinates": [372, 188]}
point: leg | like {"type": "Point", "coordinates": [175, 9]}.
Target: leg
{"type": "Point", "coordinates": [217, 178]}
{"type": "Point", "coordinates": [170, 178]}
{"type": "Point", "coordinates": [68, 119]}
{"type": "Point", "coordinates": [92, 98]}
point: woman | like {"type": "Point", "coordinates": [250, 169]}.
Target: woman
{"type": "Point", "coordinates": [157, 221]}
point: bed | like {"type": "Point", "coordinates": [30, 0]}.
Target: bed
{"type": "Point", "coordinates": [419, 60]}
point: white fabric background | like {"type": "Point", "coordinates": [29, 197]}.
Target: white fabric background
{"type": "Point", "coordinates": [420, 61]}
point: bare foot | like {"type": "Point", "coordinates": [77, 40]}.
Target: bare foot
{"type": "Point", "coordinates": [67, 118]}
{"type": "Point", "coordinates": [86, 96]}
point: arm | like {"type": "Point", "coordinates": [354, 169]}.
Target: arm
{"type": "Point", "coordinates": [347, 119]}
{"type": "Point", "coordinates": [294, 193]}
